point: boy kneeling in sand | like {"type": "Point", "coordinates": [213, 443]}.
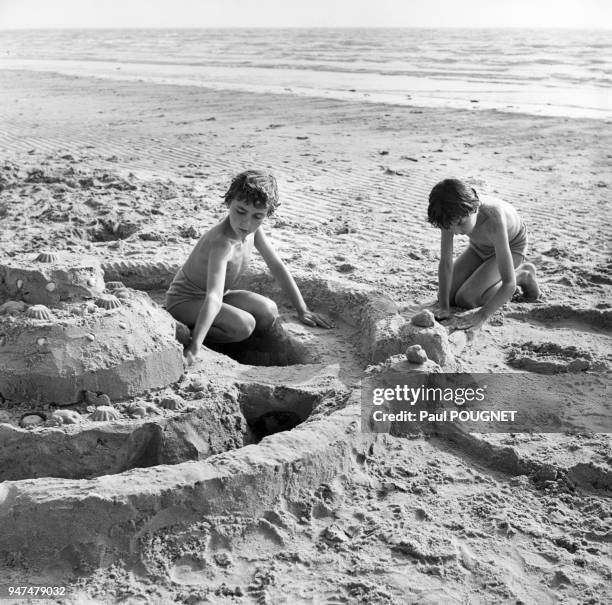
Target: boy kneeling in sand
{"type": "Point", "coordinates": [201, 294]}
{"type": "Point", "coordinates": [487, 272]}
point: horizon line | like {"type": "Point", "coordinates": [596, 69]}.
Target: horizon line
{"type": "Point", "coordinates": [229, 27]}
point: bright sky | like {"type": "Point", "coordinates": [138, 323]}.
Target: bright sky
{"type": "Point", "coordinates": [16, 14]}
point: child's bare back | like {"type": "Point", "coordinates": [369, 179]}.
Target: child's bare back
{"type": "Point", "coordinates": [495, 215]}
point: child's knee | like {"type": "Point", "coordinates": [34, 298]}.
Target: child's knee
{"type": "Point", "coordinates": [268, 314]}
{"type": "Point", "coordinates": [243, 328]}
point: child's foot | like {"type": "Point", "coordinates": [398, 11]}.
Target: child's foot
{"type": "Point", "coordinates": [526, 279]}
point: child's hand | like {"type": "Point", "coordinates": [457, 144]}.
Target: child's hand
{"type": "Point", "coordinates": [471, 321]}
{"type": "Point", "coordinates": [314, 319]}
{"type": "Point", "coordinates": [191, 352]}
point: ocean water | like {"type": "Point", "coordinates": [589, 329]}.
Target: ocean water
{"type": "Point", "coordinates": [551, 72]}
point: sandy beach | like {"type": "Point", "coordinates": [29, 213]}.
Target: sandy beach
{"type": "Point", "coordinates": [132, 171]}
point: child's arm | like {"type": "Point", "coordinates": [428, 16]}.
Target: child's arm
{"type": "Point", "coordinates": [445, 274]}
{"type": "Point", "coordinates": [284, 278]}
{"type": "Point", "coordinates": [215, 283]}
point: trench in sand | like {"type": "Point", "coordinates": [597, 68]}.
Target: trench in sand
{"type": "Point", "coordinates": [245, 466]}
{"type": "Point", "coordinates": [109, 514]}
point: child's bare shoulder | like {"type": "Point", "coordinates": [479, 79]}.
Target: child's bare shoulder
{"type": "Point", "coordinates": [501, 214]}
{"type": "Point", "coordinates": [216, 240]}
{"type": "Point", "coordinates": [221, 245]}
{"type": "Point", "coordinates": [498, 210]}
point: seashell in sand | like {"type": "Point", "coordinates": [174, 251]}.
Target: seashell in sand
{"type": "Point", "coordinates": [172, 403]}
{"type": "Point", "coordinates": [66, 416]}
{"type": "Point", "coordinates": [90, 337]}
{"type": "Point", "coordinates": [108, 301]}
{"type": "Point", "coordinates": [122, 293]}
{"type": "Point", "coordinates": [111, 286]}
{"type": "Point", "coordinates": [32, 419]}
{"type": "Point", "coordinates": [47, 257]}
{"type": "Point", "coordinates": [50, 287]}
{"type": "Point", "coordinates": [12, 307]}
{"type": "Point", "coordinates": [85, 309]}
{"type": "Point", "coordinates": [104, 413]}
{"type": "Point", "coordinates": [19, 284]}
{"type": "Point", "coordinates": [41, 342]}
{"type": "Point", "coordinates": [142, 408]}
{"type": "Point", "coordinates": [38, 312]}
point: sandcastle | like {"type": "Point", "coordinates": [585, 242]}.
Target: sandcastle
{"type": "Point", "coordinates": [63, 332]}
{"type": "Point", "coordinates": [208, 437]}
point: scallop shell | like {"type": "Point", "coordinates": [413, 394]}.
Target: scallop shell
{"type": "Point", "coordinates": [12, 307]}
{"type": "Point", "coordinates": [47, 257]}
{"type": "Point", "coordinates": [66, 416]}
{"type": "Point", "coordinates": [143, 408]}
{"type": "Point", "coordinates": [123, 293]}
{"type": "Point", "coordinates": [172, 403]}
{"type": "Point", "coordinates": [38, 312]}
{"type": "Point", "coordinates": [32, 419]}
{"type": "Point", "coordinates": [111, 286]}
{"type": "Point", "coordinates": [105, 412]}
{"type": "Point", "coordinates": [108, 301]}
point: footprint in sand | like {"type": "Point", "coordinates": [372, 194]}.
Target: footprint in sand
{"type": "Point", "coordinates": [189, 570]}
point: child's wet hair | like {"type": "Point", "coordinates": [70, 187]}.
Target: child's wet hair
{"type": "Point", "coordinates": [255, 187]}
{"type": "Point", "coordinates": [449, 200]}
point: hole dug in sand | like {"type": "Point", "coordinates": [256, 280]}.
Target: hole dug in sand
{"type": "Point", "coordinates": [275, 347]}
{"type": "Point", "coordinates": [190, 422]}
